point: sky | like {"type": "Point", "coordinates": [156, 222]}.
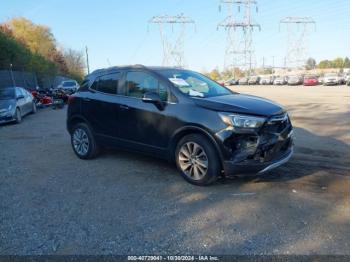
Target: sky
{"type": "Point", "coordinates": [117, 32]}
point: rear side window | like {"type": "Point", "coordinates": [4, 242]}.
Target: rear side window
{"type": "Point", "coordinates": [139, 83]}
{"type": "Point", "coordinates": [107, 84]}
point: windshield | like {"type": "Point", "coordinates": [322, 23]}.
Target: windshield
{"type": "Point", "coordinates": [69, 83]}
{"type": "Point", "coordinates": [194, 84]}
{"type": "Point", "coordinates": [7, 93]}
{"type": "Point", "coordinates": [330, 75]}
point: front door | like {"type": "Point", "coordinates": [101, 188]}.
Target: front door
{"type": "Point", "coordinates": [143, 123]}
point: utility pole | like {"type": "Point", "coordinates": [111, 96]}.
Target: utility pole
{"type": "Point", "coordinates": [172, 42]}
{"type": "Point", "coordinates": [12, 77]}
{"type": "Point", "coordinates": [298, 33]}
{"type": "Point", "coordinates": [263, 62]}
{"type": "Point", "coordinates": [239, 44]}
{"type": "Point", "coordinates": [87, 59]}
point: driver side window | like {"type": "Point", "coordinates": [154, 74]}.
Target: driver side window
{"type": "Point", "coordinates": [139, 83]}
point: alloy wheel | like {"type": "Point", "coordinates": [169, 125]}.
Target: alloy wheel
{"type": "Point", "coordinates": [81, 142]}
{"type": "Point", "coordinates": [193, 160]}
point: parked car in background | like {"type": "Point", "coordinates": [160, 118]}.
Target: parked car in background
{"type": "Point", "coordinates": [280, 80]}
{"type": "Point", "coordinates": [266, 80]}
{"type": "Point", "coordinates": [69, 86]}
{"type": "Point", "coordinates": [243, 81]}
{"type": "Point", "coordinates": [347, 77]}
{"type": "Point", "coordinates": [331, 79]}
{"type": "Point", "coordinates": [231, 82]}
{"type": "Point", "coordinates": [310, 81]}
{"type": "Point", "coordinates": [295, 80]}
{"type": "Point", "coordinates": [182, 116]}
{"type": "Point", "coordinates": [15, 102]}
{"type": "Point", "coordinates": [254, 80]}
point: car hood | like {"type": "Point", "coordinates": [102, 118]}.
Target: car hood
{"type": "Point", "coordinates": [4, 104]}
{"type": "Point", "coordinates": [242, 104]}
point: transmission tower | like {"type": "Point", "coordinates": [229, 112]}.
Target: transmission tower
{"type": "Point", "coordinates": [298, 30]}
{"type": "Point", "coordinates": [239, 52]}
{"type": "Point", "coordinates": [172, 40]}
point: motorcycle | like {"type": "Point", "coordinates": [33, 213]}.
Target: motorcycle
{"type": "Point", "coordinates": [60, 98]}
{"type": "Point", "coordinates": [41, 99]}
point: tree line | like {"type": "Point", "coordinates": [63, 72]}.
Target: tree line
{"type": "Point", "coordinates": [26, 46]}
{"type": "Point", "coordinates": [338, 62]}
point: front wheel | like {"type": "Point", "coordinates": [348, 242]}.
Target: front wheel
{"type": "Point", "coordinates": [34, 108]}
{"type": "Point", "coordinates": [197, 160]}
{"type": "Point", "coordinates": [18, 116]}
{"type": "Point", "coordinates": [83, 142]}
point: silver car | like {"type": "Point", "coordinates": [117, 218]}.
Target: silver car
{"type": "Point", "coordinates": [15, 102]}
{"type": "Point", "coordinates": [280, 80]}
{"type": "Point", "coordinates": [69, 86]}
{"type": "Point", "coordinates": [331, 79]}
{"type": "Point", "coordinates": [266, 80]}
{"type": "Point", "coordinates": [295, 80]}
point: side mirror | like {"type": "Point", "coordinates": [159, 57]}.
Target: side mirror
{"type": "Point", "coordinates": [20, 97]}
{"type": "Point", "coordinates": [153, 98]}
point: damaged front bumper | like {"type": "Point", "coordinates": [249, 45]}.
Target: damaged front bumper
{"type": "Point", "coordinates": [259, 151]}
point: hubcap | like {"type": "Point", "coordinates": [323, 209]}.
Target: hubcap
{"type": "Point", "coordinates": [80, 141]}
{"type": "Point", "coordinates": [193, 160]}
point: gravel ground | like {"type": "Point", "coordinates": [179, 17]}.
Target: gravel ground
{"type": "Point", "coordinates": [124, 203]}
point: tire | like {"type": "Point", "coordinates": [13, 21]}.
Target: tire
{"type": "Point", "coordinates": [193, 168]}
{"type": "Point", "coordinates": [83, 141]}
{"type": "Point", "coordinates": [18, 116]}
{"type": "Point", "coordinates": [34, 109]}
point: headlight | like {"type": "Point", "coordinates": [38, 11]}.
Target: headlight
{"type": "Point", "coordinates": [242, 121]}
{"type": "Point", "coordinates": [9, 108]}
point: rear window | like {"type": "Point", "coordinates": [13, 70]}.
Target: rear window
{"type": "Point", "coordinates": [107, 83]}
{"type": "Point", "coordinates": [68, 83]}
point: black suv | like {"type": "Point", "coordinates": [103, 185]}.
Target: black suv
{"type": "Point", "coordinates": [179, 115]}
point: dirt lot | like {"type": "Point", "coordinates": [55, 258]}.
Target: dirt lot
{"type": "Point", "coordinates": [123, 203]}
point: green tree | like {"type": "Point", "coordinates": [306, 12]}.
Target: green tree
{"type": "Point", "coordinates": [37, 38]}
{"type": "Point", "coordinates": [346, 62]}
{"type": "Point", "coordinates": [215, 74]}
{"type": "Point", "coordinates": [338, 62]}
{"type": "Point", "coordinates": [310, 63]}
{"type": "Point", "coordinates": [325, 64]}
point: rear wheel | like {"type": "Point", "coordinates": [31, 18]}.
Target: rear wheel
{"type": "Point", "coordinates": [18, 116]}
{"type": "Point", "coordinates": [197, 160]}
{"type": "Point", "coordinates": [83, 142]}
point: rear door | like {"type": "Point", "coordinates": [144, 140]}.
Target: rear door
{"type": "Point", "coordinates": [100, 104]}
{"type": "Point", "coordinates": [21, 102]}
{"type": "Point", "coordinates": [28, 100]}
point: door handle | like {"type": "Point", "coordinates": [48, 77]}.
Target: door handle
{"type": "Point", "coordinates": [124, 107]}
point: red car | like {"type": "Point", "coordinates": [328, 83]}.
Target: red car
{"type": "Point", "coordinates": [310, 81]}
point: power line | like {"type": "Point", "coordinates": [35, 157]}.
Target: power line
{"type": "Point", "coordinates": [298, 31]}
{"type": "Point", "coordinates": [173, 44]}
{"type": "Point", "coordinates": [239, 51]}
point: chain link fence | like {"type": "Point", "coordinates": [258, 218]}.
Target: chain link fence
{"type": "Point", "coordinates": [28, 80]}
